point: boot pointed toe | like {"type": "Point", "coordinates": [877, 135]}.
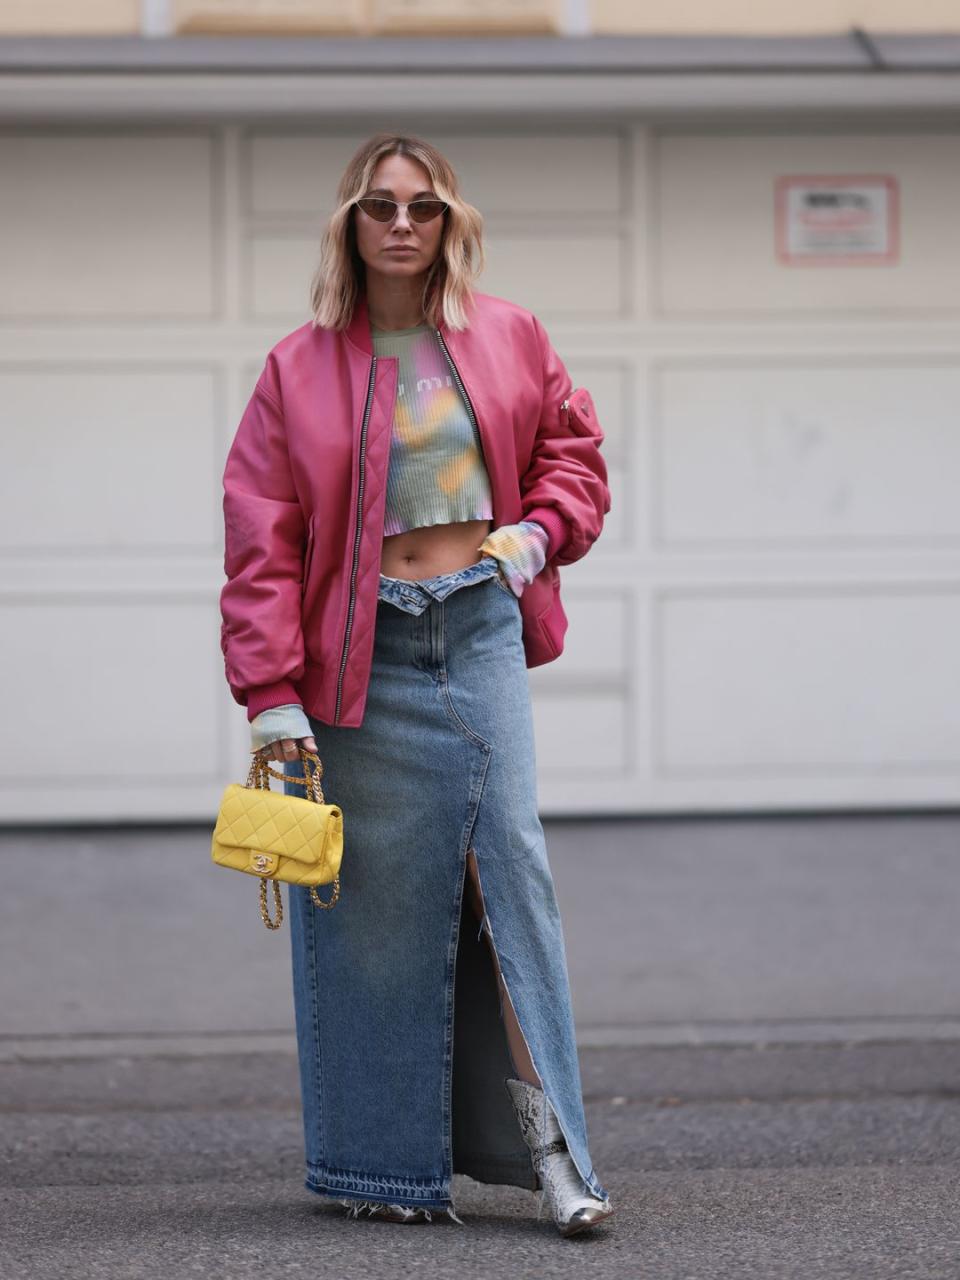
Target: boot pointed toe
{"type": "Point", "coordinates": [583, 1219]}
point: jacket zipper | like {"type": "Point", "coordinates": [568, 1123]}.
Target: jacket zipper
{"type": "Point", "coordinates": [463, 390]}
{"type": "Point", "coordinates": [356, 539]}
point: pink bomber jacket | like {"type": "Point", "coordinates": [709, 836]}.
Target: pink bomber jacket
{"type": "Point", "coordinates": [305, 488]}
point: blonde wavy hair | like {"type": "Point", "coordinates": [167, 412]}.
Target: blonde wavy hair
{"type": "Point", "coordinates": [340, 275]}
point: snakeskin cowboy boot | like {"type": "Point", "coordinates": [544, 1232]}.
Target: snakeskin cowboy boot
{"type": "Point", "coordinates": [572, 1207]}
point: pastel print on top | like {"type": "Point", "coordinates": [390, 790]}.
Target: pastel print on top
{"type": "Point", "coordinates": [437, 472]}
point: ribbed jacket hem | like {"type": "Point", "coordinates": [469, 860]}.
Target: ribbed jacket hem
{"type": "Point", "coordinates": [263, 696]}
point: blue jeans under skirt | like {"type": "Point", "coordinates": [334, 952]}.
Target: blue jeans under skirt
{"type": "Point", "coordinates": [402, 1047]}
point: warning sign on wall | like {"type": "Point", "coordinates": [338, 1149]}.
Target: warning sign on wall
{"type": "Point", "coordinates": [840, 219]}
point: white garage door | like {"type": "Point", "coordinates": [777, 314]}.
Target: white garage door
{"type": "Point", "coordinates": [772, 615]}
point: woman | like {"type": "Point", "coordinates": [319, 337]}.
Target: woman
{"type": "Point", "coordinates": [411, 471]}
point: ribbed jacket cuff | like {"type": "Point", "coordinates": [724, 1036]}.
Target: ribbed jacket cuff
{"type": "Point", "coordinates": [556, 528]}
{"type": "Point", "coordinates": [287, 721]}
{"type": "Point", "coordinates": [263, 696]}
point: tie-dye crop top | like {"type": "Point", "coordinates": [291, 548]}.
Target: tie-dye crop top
{"type": "Point", "coordinates": [437, 474]}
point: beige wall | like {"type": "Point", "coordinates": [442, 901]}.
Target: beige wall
{"type": "Point", "coordinates": [69, 17]}
{"type": "Point", "coordinates": [268, 16]}
{"type": "Point", "coordinates": [114, 17]}
{"type": "Point", "coordinates": [367, 16]}
{"type": "Point", "coordinates": [686, 17]}
{"type": "Point", "coordinates": [92, 17]}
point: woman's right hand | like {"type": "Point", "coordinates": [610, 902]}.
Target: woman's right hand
{"type": "Point", "coordinates": [286, 748]}
{"type": "Point", "coordinates": [279, 731]}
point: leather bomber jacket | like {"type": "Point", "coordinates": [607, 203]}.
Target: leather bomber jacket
{"type": "Point", "coordinates": [305, 490]}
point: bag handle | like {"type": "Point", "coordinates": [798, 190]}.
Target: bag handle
{"type": "Point", "coordinates": [259, 779]}
{"type": "Point", "coordinates": [260, 772]}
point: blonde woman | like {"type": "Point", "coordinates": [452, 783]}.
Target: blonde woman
{"type": "Point", "coordinates": [413, 468]}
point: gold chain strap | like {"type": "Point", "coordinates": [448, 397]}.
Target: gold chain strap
{"type": "Point", "coordinates": [278, 902]}
{"type": "Point", "coordinates": [259, 777]}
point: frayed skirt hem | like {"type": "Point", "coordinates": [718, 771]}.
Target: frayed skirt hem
{"type": "Point", "coordinates": [358, 1202]}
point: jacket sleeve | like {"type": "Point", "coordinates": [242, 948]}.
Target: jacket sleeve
{"type": "Point", "coordinates": [264, 544]}
{"type": "Point", "coordinates": [565, 485]}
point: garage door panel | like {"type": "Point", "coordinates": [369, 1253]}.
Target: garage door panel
{"type": "Point", "coordinates": [597, 643]}
{"type": "Point", "coordinates": [771, 615]}
{"type": "Point", "coordinates": [129, 688]}
{"type": "Point", "coordinates": [813, 680]}
{"type": "Point", "coordinates": [542, 174]}
{"type": "Point", "coordinates": [715, 217]}
{"type": "Point", "coordinates": [293, 173]}
{"type": "Point", "coordinates": [107, 226]}
{"type": "Point", "coordinates": [758, 454]}
{"type": "Point", "coordinates": [618, 522]}
{"type": "Point", "coordinates": [277, 273]}
{"type": "Point", "coordinates": [582, 703]}
{"type": "Point", "coordinates": [113, 458]}
{"type": "Point", "coordinates": [529, 173]}
{"type": "Point", "coordinates": [580, 733]}
{"type": "Point", "coordinates": [578, 274]}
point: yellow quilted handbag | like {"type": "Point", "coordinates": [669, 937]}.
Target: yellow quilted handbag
{"type": "Point", "coordinates": [277, 836]}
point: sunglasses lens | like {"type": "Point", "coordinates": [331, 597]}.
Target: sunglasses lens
{"type": "Point", "coordinates": [381, 210]}
{"type": "Point", "coordinates": [426, 210]}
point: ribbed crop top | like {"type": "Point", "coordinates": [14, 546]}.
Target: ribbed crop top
{"type": "Point", "coordinates": [437, 473]}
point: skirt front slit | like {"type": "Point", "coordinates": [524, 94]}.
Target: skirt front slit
{"type": "Point", "coordinates": [402, 1048]}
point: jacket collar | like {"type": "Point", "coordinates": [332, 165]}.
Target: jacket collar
{"type": "Point", "coordinates": [358, 330]}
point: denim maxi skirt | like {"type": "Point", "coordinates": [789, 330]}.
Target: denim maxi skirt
{"type": "Point", "coordinates": [402, 1047]}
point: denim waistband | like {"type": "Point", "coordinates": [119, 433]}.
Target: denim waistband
{"type": "Point", "coordinates": [414, 595]}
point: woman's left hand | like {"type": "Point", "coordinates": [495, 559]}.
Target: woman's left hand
{"type": "Point", "coordinates": [521, 549]}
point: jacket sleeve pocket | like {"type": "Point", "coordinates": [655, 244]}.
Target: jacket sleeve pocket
{"type": "Point", "coordinates": [580, 414]}
{"type": "Point", "coordinates": [264, 542]}
{"type": "Point", "coordinates": [565, 486]}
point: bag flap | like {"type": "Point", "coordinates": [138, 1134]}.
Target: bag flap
{"type": "Point", "coordinates": [251, 818]}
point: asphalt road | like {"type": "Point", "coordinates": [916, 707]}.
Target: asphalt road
{"type": "Point", "coordinates": [769, 1033]}
{"type": "Point", "coordinates": [742, 1162]}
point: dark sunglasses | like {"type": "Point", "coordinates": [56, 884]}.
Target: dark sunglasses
{"type": "Point", "coordinates": [383, 210]}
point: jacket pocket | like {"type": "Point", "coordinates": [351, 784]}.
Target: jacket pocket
{"type": "Point", "coordinates": [307, 557]}
{"type": "Point", "coordinates": [552, 621]}
{"type": "Point", "coordinates": [579, 413]}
